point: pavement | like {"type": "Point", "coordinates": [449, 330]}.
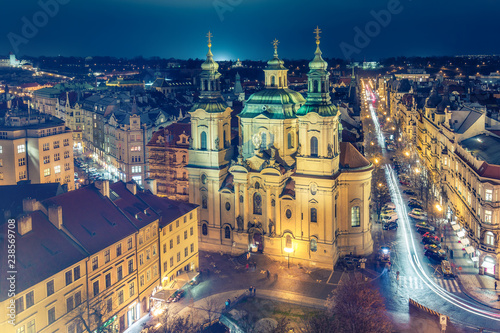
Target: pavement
{"type": "Point", "coordinates": [480, 288]}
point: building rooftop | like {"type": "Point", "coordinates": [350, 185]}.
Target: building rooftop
{"type": "Point", "coordinates": [485, 147]}
{"type": "Point", "coordinates": [351, 158]}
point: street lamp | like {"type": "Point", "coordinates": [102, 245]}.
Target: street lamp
{"type": "Point", "coordinates": [288, 250]}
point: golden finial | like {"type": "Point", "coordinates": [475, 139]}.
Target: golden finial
{"type": "Point", "coordinates": [209, 36]}
{"type": "Point", "coordinates": [275, 44]}
{"type": "Point", "coordinates": [317, 31]}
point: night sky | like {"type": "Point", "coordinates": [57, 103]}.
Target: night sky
{"type": "Point", "coordinates": [245, 28]}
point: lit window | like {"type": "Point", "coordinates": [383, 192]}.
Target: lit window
{"type": "Point", "coordinates": [489, 238]}
{"type": "Point", "coordinates": [57, 169]}
{"type": "Point", "coordinates": [314, 245]}
{"type": "Point", "coordinates": [355, 216]}
{"type": "Point", "coordinates": [21, 149]}
{"type": "Point", "coordinates": [46, 172]}
{"type": "Point", "coordinates": [487, 216]}
{"type": "Point", "coordinates": [488, 195]}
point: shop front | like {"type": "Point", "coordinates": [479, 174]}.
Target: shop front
{"type": "Point", "coordinates": [488, 266]}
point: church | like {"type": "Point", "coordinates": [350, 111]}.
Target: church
{"type": "Point", "coordinates": [291, 189]}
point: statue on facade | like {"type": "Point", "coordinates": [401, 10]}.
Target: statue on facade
{"type": "Point", "coordinates": [298, 149]}
{"type": "Point", "coordinates": [217, 143]}
{"type": "Point", "coordinates": [272, 231]}
{"type": "Point", "coordinates": [239, 222]}
{"type": "Point", "coordinates": [250, 225]}
{"type": "Point", "coordinates": [190, 142]}
{"type": "Point", "coordinates": [330, 150]}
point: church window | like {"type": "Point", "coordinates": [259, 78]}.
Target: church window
{"type": "Point", "coordinates": [316, 86]}
{"type": "Point", "coordinates": [257, 204]}
{"type": "Point", "coordinates": [314, 245]}
{"type": "Point", "coordinates": [314, 146]}
{"type": "Point", "coordinates": [204, 229]}
{"type": "Point", "coordinates": [273, 81]}
{"type": "Point", "coordinates": [290, 142]}
{"type": "Point", "coordinates": [183, 158]}
{"type": "Point", "coordinates": [203, 139]}
{"type": "Point", "coordinates": [288, 242]}
{"type": "Point", "coordinates": [228, 206]}
{"type": "Point", "coordinates": [227, 232]}
{"type": "Point", "coordinates": [257, 185]}
{"type": "Point", "coordinates": [184, 175]}
{"type": "Point", "coordinates": [355, 216]}
{"type": "Point", "coordinates": [273, 202]}
{"type": "Point", "coordinates": [281, 82]}
{"type": "Point", "coordinates": [241, 198]}
{"type": "Point", "coordinates": [264, 141]}
{"type": "Point", "coordinates": [314, 215]}
{"type": "Point", "coordinates": [204, 88]}
{"type": "Point", "coordinates": [288, 213]}
{"type": "Point", "coordinates": [204, 202]}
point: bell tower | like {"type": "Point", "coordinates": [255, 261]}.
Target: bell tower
{"type": "Point", "coordinates": [275, 72]}
{"type": "Point", "coordinates": [210, 147]}
{"type": "Point", "coordinates": [318, 122]}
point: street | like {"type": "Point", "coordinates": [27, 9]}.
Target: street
{"type": "Point", "coordinates": [419, 278]}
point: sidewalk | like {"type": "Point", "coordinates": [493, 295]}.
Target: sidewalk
{"type": "Point", "coordinates": [481, 288]}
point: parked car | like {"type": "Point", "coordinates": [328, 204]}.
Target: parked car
{"type": "Point", "coordinates": [446, 269]}
{"type": "Point", "coordinates": [422, 229]}
{"type": "Point", "coordinates": [427, 240]}
{"type": "Point", "coordinates": [438, 255]}
{"type": "Point", "coordinates": [432, 247]}
{"type": "Point", "coordinates": [430, 234]}
{"type": "Point", "coordinates": [415, 204]}
{"type": "Point", "coordinates": [391, 218]}
{"type": "Point", "coordinates": [387, 214]}
{"type": "Point", "coordinates": [409, 192]}
{"type": "Point", "coordinates": [390, 225]}
{"type": "Point", "coordinates": [389, 205]}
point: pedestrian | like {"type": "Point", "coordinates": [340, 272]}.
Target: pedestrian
{"type": "Point", "coordinates": [268, 274]}
{"type": "Point", "coordinates": [254, 291]}
{"type": "Point", "coordinates": [246, 267]}
{"type": "Point", "coordinates": [250, 290]}
{"type": "Point", "coordinates": [495, 285]}
{"type": "Point", "coordinates": [227, 304]}
{"type": "Point", "coordinates": [254, 266]}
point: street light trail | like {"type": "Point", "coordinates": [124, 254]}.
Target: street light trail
{"type": "Point", "coordinates": [380, 137]}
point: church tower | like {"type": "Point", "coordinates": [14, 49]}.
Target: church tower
{"type": "Point", "coordinates": [316, 189]}
{"type": "Point", "coordinates": [318, 153]}
{"type": "Point", "coordinates": [210, 147]}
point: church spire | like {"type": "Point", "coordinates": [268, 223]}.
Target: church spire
{"type": "Point", "coordinates": [276, 76]}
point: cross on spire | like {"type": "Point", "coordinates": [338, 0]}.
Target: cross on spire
{"type": "Point", "coordinates": [275, 44]}
{"type": "Point", "coordinates": [209, 36]}
{"type": "Point", "coordinates": [317, 31]}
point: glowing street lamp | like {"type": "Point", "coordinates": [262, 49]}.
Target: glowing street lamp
{"type": "Point", "coordinates": [407, 154]}
{"type": "Point", "coordinates": [288, 250]}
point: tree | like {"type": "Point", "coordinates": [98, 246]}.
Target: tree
{"type": "Point", "coordinates": [93, 315]}
{"type": "Point", "coordinates": [318, 322]}
{"type": "Point", "coordinates": [357, 307]}
{"type": "Point", "coordinates": [174, 324]}
{"type": "Point", "coordinates": [211, 306]}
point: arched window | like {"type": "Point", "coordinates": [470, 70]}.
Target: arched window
{"type": "Point", "coordinates": [288, 242]}
{"type": "Point", "coordinates": [174, 159]}
{"type": "Point", "coordinates": [290, 142]}
{"type": "Point", "coordinates": [184, 190]}
{"type": "Point", "coordinates": [212, 86]}
{"type": "Point", "coordinates": [204, 202]}
{"type": "Point", "coordinates": [314, 215]}
{"type": "Point", "coordinates": [257, 185]}
{"type": "Point", "coordinates": [257, 204]}
{"type": "Point", "coordinates": [314, 245]}
{"type": "Point", "coordinates": [184, 175]}
{"type": "Point", "coordinates": [204, 86]}
{"type": "Point", "coordinates": [264, 141]}
{"type": "Point", "coordinates": [203, 139]}
{"type": "Point", "coordinates": [273, 81]}
{"type": "Point", "coordinates": [183, 158]}
{"type": "Point", "coordinates": [316, 86]}
{"type": "Point", "coordinates": [489, 238]}
{"type": "Point", "coordinates": [281, 82]}
{"type": "Point", "coordinates": [204, 229]}
{"type": "Point", "coordinates": [224, 139]}
{"type": "Point", "coordinates": [314, 146]}
{"type": "Point", "coordinates": [227, 232]}
{"type": "Point", "coordinates": [355, 216]}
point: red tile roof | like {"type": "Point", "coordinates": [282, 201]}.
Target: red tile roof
{"type": "Point", "coordinates": [351, 158]}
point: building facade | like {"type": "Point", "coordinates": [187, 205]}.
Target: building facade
{"type": "Point", "coordinates": [292, 190]}
{"type": "Point", "coordinates": [35, 147]}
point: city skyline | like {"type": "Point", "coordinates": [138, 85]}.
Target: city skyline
{"type": "Point", "coordinates": [241, 29]}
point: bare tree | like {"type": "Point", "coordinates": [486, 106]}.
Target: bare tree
{"type": "Point", "coordinates": [358, 307]}
{"type": "Point", "coordinates": [212, 307]}
{"type": "Point", "coordinates": [318, 322]}
{"type": "Point", "coordinates": [174, 324]}
{"type": "Point", "coordinates": [93, 314]}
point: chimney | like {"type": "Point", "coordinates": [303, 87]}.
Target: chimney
{"type": "Point", "coordinates": [103, 187]}
{"type": "Point", "coordinates": [132, 187]}
{"type": "Point", "coordinates": [30, 205]}
{"type": "Point", "coordinates": [24, 225]}
{"type": "Point", "coordinates": [150, 184]}
{"type": "Point", "coordinates": [55, 216]}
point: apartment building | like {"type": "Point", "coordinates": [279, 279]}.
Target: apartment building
{"type": "Point", "coordinates": [92, 250]}
{"type": "Point", "coordinates": [458, 144]}
{"type": "Point", "coordinates": [35, 147]}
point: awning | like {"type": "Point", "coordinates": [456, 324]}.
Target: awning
{"type": "Point", "coordinates": [461, 234]}
{"type": "Point", "coordinates": [185, 277]}
{"type": "Point", "coordinates": [465, 241]}
{"type": "Point", "coordinates": [455, 227]}
{"type": "Point", "coordinates": [163, 295]}
{"type": "Point", "coordinates": [469, 249]}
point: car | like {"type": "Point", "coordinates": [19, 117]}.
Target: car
{"type": "Point", "coordinates": [419, 211]}
{"type": "Point", "coordinates": [430, 234]}
{"type": "Point", "coordinates": [404, 182]}
{"type": "Point", "coordinates": [427, 241]}
{"type": "Point", "coordinates": [446, 269]}
{"type": "Point", "coordinates": [422, 229]}
{"type": "Point", "coordinates": [389, 205]}
{"type": "Point", "coordinates": [433, 247]}
{"type": "Point", "coordinates": [390, 225]}
{"type": "Point", "coordinates": [409, 192]}
{"type": "Point", "coordinates": [415, 204]}
{"type": "Point", "coordinates": [387, 213]}
{"type": "Point", "coordinates": [391, 218]}
{"type": "Point", "coordinates": [434, 255]}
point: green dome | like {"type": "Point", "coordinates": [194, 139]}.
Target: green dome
{"type": "Point", "coordinates": [318, 63]}
{"type": "Point", "coordinates": [276, 96]}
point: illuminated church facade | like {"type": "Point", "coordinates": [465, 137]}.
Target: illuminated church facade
{"type": "Point", "coordinates": [291, 189]}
